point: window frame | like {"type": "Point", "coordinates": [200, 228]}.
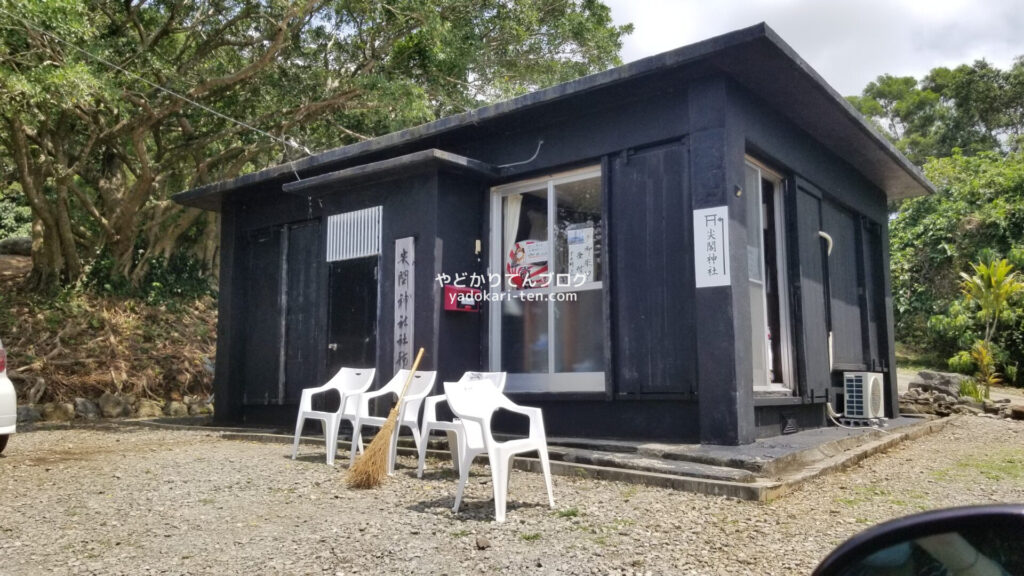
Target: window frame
{"type": "Point", "coordinates": [782, 281]}
{"type": "Point", "coordinates": [550, 381]}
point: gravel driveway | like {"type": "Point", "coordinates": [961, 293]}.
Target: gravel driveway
{"type": "Point", "coordinates": [124, 500]}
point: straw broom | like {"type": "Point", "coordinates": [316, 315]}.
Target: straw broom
{"type": "Point", "coordinates": [371, 468]}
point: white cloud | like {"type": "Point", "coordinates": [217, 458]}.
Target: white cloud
{"type": "Point", "coordinates": [849, 43]}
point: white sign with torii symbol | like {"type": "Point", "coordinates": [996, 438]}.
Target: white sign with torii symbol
{"type": "Point", "coordinates": [711, 246]}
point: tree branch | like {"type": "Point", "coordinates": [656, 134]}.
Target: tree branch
{"type": "Point", "coordinates": [278, 41]}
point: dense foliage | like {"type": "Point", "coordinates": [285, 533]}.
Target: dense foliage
{"type": "Point", "coordinates": [15, 215]}
{"type": "Point", "coordinates": [965, 126]}
{"type": "Point", "coordinates": [97, 153]}
{"type": "Point", "coordinates": [976, 216]}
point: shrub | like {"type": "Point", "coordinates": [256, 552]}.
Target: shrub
{"type": "Point", "coordinates": [989, 301]}
{"type": "Point", "coordinates": [1010, 371]}
{"type": "Point", "coordinates": [987, 376]}
{"type": "Point", "coordinates": [15, 215]}
{"type": "Point", "coordinates": [962, 363]}
{"type": "Point", "coordinates": [180, 277]}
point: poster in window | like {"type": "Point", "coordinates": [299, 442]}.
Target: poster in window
{"type": "Point", "coordinates": [527, 265]}
{"type": "Point", "coordinates": [581, 254]}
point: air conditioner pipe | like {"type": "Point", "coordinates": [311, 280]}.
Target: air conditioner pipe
{"type": "Point", "coordinates": [833, 415]}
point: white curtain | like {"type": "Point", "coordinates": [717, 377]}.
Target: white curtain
{"type": "Point", "coordinates": [513, 206]}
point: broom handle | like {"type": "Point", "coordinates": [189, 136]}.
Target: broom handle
{"type": "Point", "coordinates": [415, 364]}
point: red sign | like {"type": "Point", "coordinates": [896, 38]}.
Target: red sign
{"type": "Point", "coordinates": [459, 299]}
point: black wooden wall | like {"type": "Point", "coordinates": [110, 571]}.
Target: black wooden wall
{"type": "Point", "coordinates": [463, 214]}
{"type": "Point", "coordinates": [263, 297]}
{"type": "Point", "coordinates": [304, 334]}
{"type": "Point", "coordinates": [848, 291]}
{"type": "Point", "coordinates": [679, 357]}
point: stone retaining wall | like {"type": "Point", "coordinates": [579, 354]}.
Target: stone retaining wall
{"type": "Point", "coordinates": [114, 406]}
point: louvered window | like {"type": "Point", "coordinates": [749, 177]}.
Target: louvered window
{"type": "Point", "coordinates": [354, 234]}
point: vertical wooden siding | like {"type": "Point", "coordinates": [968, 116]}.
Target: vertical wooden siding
{"type": "Point", "coordinates": [262, 308]}
{"type": "Point", "coordinates": [844, 282]}
{"type": "Point", "coordinates": [651, 245]}
{"type": "Point", "coordinates": [303, 341]}
{"type": "Point", "coordinates": [875, 299]}
{"type": "Point", "coordinates": [281, 343]}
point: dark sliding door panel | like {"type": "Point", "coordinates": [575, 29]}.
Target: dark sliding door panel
{"type": "Point", "coordinates": [652, 284]}
{"type": "Point", "coordinates": [808, 287]}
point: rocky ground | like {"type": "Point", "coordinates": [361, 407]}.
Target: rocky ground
{"type": "Point", "coordinates": [938, 393]}
{"type": "Point", "coordinates": [113, 499]}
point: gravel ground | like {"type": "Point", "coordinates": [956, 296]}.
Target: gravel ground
{"type": "Point", "coordinates": [122, 500]}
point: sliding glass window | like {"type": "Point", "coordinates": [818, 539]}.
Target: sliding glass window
{"type": "Point", "coordinates": [547, 331]}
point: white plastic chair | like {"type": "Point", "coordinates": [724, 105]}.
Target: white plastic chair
{"type": "Point", "coordinates": [452, 429]}
{"type": "Point", "coordinates": [349, 382]}
{"type": "Point", "coordinates": [408, 411]}
{"type": "Point", "coordinates": [472, 402]}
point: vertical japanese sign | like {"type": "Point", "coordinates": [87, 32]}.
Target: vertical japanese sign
{"type": "Point", "coordinates": [405, 301]}
{"type": "Point", "coordinates": [581, 253]}
{"type": "Point", "coordinates": [711, 246]}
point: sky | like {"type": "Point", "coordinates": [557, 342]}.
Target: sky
{"type": "Point", "coordinates": [849, 43]}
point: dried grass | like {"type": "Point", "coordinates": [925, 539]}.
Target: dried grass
{"type": "Point", "coordinates": [82, 345]}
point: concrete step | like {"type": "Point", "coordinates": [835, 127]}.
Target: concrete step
{"type": "Point", "coordinates": [648, 464]}
{"type": "Point", "coordinates": [774, 457]}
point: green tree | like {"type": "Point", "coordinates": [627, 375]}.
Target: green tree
{"type": "Point", "coordinates": [973, 108]}
{"type": "Point", "coordinates": [897, 105]}
{"type": "Point", "coordinates": [98, 153]}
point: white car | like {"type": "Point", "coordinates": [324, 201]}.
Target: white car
{"type": "Point", "coordinates": [8, 402]}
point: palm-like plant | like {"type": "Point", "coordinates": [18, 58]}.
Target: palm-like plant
{"type": "Point", "coordinates": [992, 285]}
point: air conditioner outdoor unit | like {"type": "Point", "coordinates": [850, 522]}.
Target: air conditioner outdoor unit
{"type": "Point", "coordinates": [863, 395]}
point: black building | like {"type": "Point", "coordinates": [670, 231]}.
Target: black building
{"type": "Point", "coordinates": [717, 212]}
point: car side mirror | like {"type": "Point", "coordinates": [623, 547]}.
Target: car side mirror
{"type": "Point", "coordinates": [969, 541]}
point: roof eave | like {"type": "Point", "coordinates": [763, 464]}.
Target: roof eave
{"type": "Point", "coordinates": [905, 181]}
{"type": "Point", "coordinates": [389, 169]}
{"type": "Point", "coordinates": [679, 56]}
{"type": "Point", "coordinates": [916, 183]}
